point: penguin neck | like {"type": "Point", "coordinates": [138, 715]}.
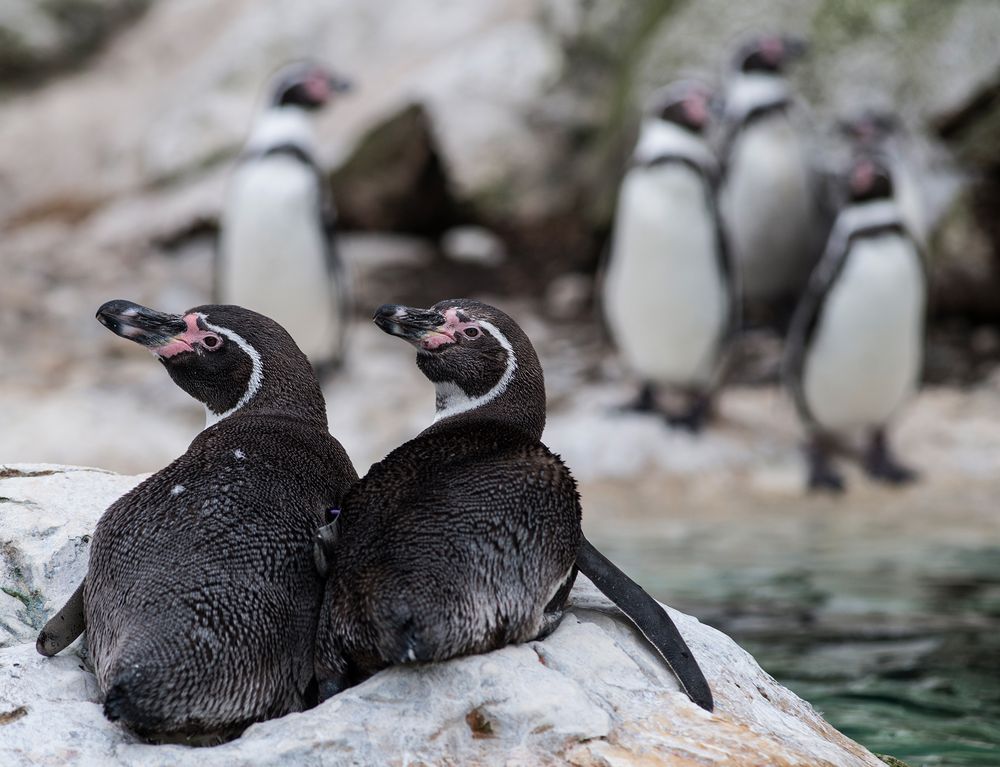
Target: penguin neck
{"type": "Point", "coordinates": [749, 92]}
{"type": "Point", "coordinates": [871, 214]}
{"type": "Point", "coordinates": [659, 138]}
{"type": "Point", "coordinates": [284, 387]}
{"type": "Point", "coordinates": [282, 125]}
{"type": "Point", "coordinates": [516, 401]}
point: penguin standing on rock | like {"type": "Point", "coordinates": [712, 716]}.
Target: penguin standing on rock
{"type": "Point", "coordinates": [467, 538]}
{"type": "Point", "coordinates": [200, 599]}
{"type": "Point", "coordinates": [854, 349]}
{"type": "Point", "coordinates": [670, 294]}
{"type": "Point", "coordinates": [277, 253]}
{"type": "Point", "coordinates": [771, 197]}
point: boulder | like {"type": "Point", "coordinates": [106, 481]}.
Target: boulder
{"type": "Point", "coordinates": [593, 693]}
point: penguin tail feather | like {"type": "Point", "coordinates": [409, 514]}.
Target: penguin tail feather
{"type": "Point", "coordinates": [650, 618]}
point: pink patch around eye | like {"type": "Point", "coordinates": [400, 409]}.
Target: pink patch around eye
{"type": "Point", "coordinates": [447, 332]}
{"type": "Point", "coordinates": [186, 340]}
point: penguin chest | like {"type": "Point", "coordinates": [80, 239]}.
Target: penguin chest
{"type": "Point", "coordinates": [665, 295]}
{"type": "Point", "coordinates": [865, 356]}
{"type": "Point", "coordinates": [769, 208]}
{"type": "Point", "coordinates": [274, 252]}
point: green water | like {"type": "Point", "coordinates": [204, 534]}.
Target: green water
{"type": "Point", "coordinates": [901, 653]}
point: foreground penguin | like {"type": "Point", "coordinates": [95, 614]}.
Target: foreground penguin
{"type": "Point", "coordinates": [670, 296]}
{"type": "Point", "coordinates": [854, 350]}
{"type": "Point", "coordinates": [200, 599]}
{"type": "Point", "coordinates": [771, 198]}
{"type": "Point", "coordinates": [467, 538]}
{"type": "Point", "coordinates": [277, 253]}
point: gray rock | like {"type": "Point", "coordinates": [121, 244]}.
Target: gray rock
{"type": "Point", "coordinates": [592, 693]}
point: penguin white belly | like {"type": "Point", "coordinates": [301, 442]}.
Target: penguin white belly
{"type": "Point", "coordinates": [273, 252]}
{"type": "Point", "coordinates": [665, 298]}
{"type": "Point", "coordinates": [865, 356]}
{"type": "Point", "coordinates": [768, 206]}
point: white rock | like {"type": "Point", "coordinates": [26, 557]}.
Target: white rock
{"type": "Point", "coordinates": [593, 693]}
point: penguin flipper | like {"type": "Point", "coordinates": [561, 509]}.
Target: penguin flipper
{"type": "Point", "coordinates": [650, 618]}
{"type": "Point", "coordinates": [63, 627]}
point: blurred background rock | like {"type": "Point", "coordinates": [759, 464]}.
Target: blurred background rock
{"type": "Point", "coordinates": [481, 154]}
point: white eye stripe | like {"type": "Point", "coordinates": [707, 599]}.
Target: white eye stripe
{"type": "Point", "coordinates": [455, 400]}
{"type": "Point", "coordinates": [256, 372]}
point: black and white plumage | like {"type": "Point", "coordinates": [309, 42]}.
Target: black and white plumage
{"type": "Point", "coordinates": [854, 350]}
{"type": "Point", "coordinates": [277, 252]}
{"type": "Point", "coordinates": [200, 599]}
{"type": "Point", "coordinates": [772, 197]}
{"type": "Point", "coordinates": [670, 293]}
{"type": "Point", "coordinates": [467, 538]}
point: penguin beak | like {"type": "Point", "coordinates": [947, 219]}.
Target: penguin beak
{"type": "Point", "coordinates": [339, 84]}
{"type": "Point", "coordinates": [137, 323]}
{"type": "Point", "coordinates": [413, 325]}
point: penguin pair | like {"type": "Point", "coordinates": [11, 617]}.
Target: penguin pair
{"type": "Point", "coordinates": [277, 250]}
{"type": "Point", "coordinates": [203, 604]}
{"type": "Point", "coordinates": [854, 350]}
{"type": "Point", "coordinates": [200, 598]}
{"type": "Point", "coordinates": [670, 295]}
{"type": "Point", "coordinates": [773, 197]}
{"type": "Point", "coordinates": [467, 538]}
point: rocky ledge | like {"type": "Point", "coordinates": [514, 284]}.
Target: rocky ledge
{"type": "Point", "coordinates": [590, 694]}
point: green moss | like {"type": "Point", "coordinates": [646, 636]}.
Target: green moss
{"type": "Point", "coordinates": [22, 598]}
{"type": "Point", "coordinates": [892, 761]}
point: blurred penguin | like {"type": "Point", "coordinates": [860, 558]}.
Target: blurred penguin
{"type": "Point", "coordinates": [669, 294]}
{"type": "Point", "coordinates": [277, 254]}
{"type": "Point", "coordinates": [771, 196]}
{"type": "Point", "coordinates": [855, 347]}
{"type": "Point", "coordinates": [881, 131]}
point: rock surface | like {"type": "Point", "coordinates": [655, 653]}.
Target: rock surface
{"type": "Point", "coordinates": [590, 694]}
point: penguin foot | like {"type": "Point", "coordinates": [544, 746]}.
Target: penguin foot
{"type": "Point", "coordinates": [826, 480]}
{"type": "Point", "coordinates": [550, 622]}
{"type": "Point", "coordinates": [694, 418]}
{"type": "Point", "coordinates": [645, 402]}
{"type": "Point", "coordinates": [823, 477]}
{"type": "Point", "coordinates": [881, 465]}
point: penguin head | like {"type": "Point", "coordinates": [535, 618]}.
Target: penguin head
{"type": "Point", "coordinates": [769, 54]}
{"type": "Point", "coordinates": [687, 103]}
{"type": "Point", "coordinates": [228, 358]}
{"type": "Point", "coordinates": [480, 361]}
{"type": "Point", "coordinates": [307, 85]}
{"type": "Point", "coordinates": [869, 179]}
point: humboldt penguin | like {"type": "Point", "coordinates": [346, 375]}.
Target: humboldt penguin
{"type": "Point", "coordinates": [883, 132]}
{"type": "Point", "coordinates": [201, 598]}
{"type": "Point", "coordinates": [771, 197]}
{"type": "Point", "coordinates": [467, 538]}
{"type": "Point", "coordinates": [854, 349]}
{"type": "Point", "coordinates": [670, 294]}
{"type": "Point", "coordinates": [277, 251]}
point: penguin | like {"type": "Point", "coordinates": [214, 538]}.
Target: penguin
{"type": "Point", "coordinates": [771, 197]}
{"type": "Point", "coordinates": [883, 132]}
{"type": "Point", "coordinates": [670, 293]}
{"type": "Point", "coordinates": [201, 599]}
{"type": "Point", "coordinates": [854, 349]}
{"type": "Point", "coordinates": [467, 538]}
{"type": "Point", "coordinates": [276, 250]}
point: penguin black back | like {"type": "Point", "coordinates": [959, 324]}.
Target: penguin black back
{"type": "Point", "coordinates": [467, 537]}
{"type": "Point", "coordinates": [200, 597]}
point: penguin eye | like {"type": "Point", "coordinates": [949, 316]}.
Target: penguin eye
{"type": "Point", "coordinates": [471, 332]}
{"type": "Point", "coordinates": [211, 343]}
